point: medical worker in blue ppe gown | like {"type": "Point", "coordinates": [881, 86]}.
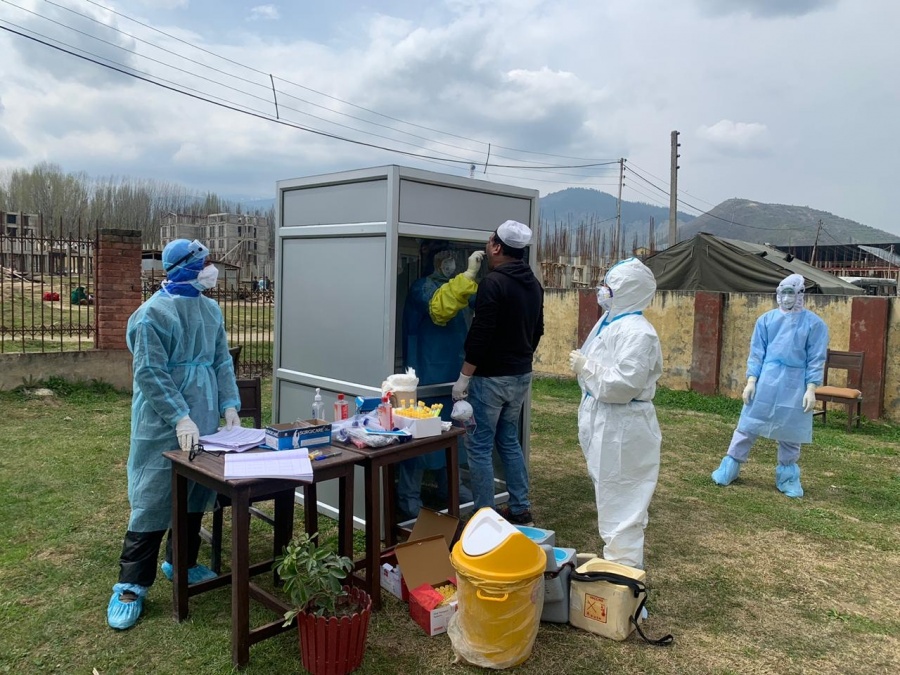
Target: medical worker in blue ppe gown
{"type": "Point", "coordinates": [183, 383]}
{"type": "Point", "coordinates": [786, 364]}
{"type": "Point", "coordinates": [618, 367]}
{"type": "Point", "coordinates": [436, 319]}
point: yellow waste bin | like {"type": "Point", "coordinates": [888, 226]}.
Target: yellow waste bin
{"type": "Point", "coordinates": [500, 591]}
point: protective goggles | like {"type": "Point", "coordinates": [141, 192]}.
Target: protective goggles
{"type": "Point", "coordinates": [195, 250]}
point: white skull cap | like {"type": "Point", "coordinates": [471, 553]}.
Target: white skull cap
{"type": "Point", "coordinates": [514, 234]}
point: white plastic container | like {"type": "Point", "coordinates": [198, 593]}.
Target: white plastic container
{"type": "Point", "coordinates": [601, 607]}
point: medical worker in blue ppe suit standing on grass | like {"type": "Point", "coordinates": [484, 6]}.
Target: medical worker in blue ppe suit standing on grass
{"type": "Point", "coordinates": [436, 320]}
{"type": "Point", "coordinates": [786, 364]}
{"type": "Point", "coordinates": [618, 367]}
{"type": "Point", "coordinates": [183, 382]}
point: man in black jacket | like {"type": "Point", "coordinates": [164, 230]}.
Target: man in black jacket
{"type": "Point", "coordinates": [496, 375]}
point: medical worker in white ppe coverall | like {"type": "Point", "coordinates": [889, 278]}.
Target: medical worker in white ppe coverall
{"type": "Point", "coordinates": [617, 368]}
{"type": "Point", "coordinates": [786, 364]}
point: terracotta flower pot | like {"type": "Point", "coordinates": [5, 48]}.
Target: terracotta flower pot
{"type": "Point", "coordinates": [335, 646]}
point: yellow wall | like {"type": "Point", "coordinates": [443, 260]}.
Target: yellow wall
{"type": "Point", "coordinates": [560, 332]}
{"type": "Point", "coordinates": [672, 314]}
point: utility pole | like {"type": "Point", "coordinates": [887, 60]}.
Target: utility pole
{"type": "Point", "coordinates": [812, 258]}
{"type": "Point", "coordinates": [673, 191]}
{"type": "Point", "coordinates": [618, 242]}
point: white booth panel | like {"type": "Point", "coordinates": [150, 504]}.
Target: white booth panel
{"type": "Point", "coordinates": [332, 307]}
{"type": "Point", "coordinates": [356, 202]}
{"type": "Point", "coordinates": [445, 206]}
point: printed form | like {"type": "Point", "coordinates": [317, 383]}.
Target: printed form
{"type": "Point", "coordinates": [271, 464]}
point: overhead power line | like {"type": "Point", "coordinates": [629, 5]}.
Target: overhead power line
{"type": "Point", "coordinates": [484, 144]}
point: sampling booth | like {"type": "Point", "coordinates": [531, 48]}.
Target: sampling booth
{"type": "Point", "coordinates": [349, 247]}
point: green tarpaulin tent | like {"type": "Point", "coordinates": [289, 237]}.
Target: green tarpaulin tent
{"type": "Point", "coordinates": [708, 263]}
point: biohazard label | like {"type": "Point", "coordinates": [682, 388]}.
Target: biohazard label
{"type": "Point", "coordinates": [594, 608]}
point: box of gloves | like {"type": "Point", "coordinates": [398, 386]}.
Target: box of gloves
{"type": "Point", "coordinates": [300, 434]}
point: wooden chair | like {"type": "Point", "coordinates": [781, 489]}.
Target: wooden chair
{"type": "Point", "coordinates": [850, 396]}
{"type": "Point", "coordinates": [235, 356]}
{"type": "Point", "coordinates": [250, 391]}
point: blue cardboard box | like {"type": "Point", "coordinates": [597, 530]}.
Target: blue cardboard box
{"type": "Point", "coordinates": [300, 434]}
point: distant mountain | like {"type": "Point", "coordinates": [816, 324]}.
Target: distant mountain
{"type": "Point", "coordinates": [781, 225]}
{"type": "Point", "coordinates": [775, 224]}
{"type": "Point", "coordinates": [584, 204]}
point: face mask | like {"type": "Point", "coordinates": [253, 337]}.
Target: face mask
{"type": "Point", "coordinates": [207, 278]}
{"type": "Point", "coordinates": [604, 297]}
{"type": "Point", "coordinates": [448, 267]}
{"type": "Point", "coordinates": [788, 299]}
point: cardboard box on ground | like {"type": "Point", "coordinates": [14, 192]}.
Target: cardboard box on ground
{"type": "Point", "coordinates": [423, 561]}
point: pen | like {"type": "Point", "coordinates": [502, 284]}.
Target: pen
{"type": "Point", "coordinates": [327, 455]}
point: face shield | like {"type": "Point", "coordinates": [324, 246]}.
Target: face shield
{"type": "Point", "coordinates": [195, 251]}
{"type": "Point", "coordinates": [788, 298]}
{"type": "Point", "coordinates": [604, 297]}
{"type": "Point", "coordinates": [789, 293]}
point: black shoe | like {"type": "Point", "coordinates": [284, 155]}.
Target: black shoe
{"type": "Point", "coordinates": [523, 518]}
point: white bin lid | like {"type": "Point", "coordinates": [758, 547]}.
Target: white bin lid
{"type": "Point", "coordinates": [486, 531]}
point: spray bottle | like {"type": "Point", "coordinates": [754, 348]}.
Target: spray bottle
{"type": "Point", "coordinates": [318, 407]}
{"type": "Point", "coordinates": [341, 409]}
{"type": "Point", "coordinates": [385, 413]}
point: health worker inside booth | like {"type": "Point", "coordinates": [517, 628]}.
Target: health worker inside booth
{"type": "Point", "coordinates": [437, 283]}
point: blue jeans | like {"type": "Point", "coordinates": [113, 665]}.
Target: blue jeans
{"type": "Point", "coordinates": [497, 405]}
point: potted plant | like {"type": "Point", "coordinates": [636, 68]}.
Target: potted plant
{"type": "Point", "coordinates": [332, 618]}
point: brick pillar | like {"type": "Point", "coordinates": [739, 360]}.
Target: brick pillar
{"type": "Point", "coordinates": [868, 333]}
{"type": "Point", "coordinates": [117, 283]}
{"type": "Point", "coordinates": [588, 313]}
{"type": "Point", "coordinates": [706, 357]}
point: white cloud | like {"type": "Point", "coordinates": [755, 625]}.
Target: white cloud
{"type": "Point", "coordinates": [564, 77]}
{"type": "Point", "coordinates": [731, 136]}
{"type": "Point", "coordinates": [265, 12]}
{"type": "Point", "coordinates": [765, 8]}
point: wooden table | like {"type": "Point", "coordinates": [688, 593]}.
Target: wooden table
{"type": "Point", "coordinates": [374, 459]}
{"type": "Point", "coordinates": [208, 470]}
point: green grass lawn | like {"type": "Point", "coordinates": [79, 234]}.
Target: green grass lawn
{"type": "Point", "coordinates": [747, 580]}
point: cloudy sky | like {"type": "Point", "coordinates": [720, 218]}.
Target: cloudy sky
{"type": "Point", "coordinates": [785, 101]}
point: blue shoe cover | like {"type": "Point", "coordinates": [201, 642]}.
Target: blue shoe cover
{"type": "Point", "coordinates": [196, 574]}
{"type": "Point", "coordinates": [728, 470]}
{"type": "Point", "coordinates": [121, 615]}
{"type": "Point", "coordinates": [787, 479]}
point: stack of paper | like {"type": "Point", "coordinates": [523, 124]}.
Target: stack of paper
{"type": "Point", "coordinates": [269, 464]}
{"type": "Point", "coordinates": [236, 440]}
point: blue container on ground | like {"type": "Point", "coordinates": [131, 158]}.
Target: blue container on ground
{"type": "Point", "coordinates": [538, 536]}
{"type": "Point", "coordinates": [560, 562]}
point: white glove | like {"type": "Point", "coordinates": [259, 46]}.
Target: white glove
{"type": "Point", "coordinates": [577, 361]}
{"type": "Point", "coordinates": [461, 387]}
{"type": "Point", "coordinates": [187, 432]}
{"type": "Point", "coordinates": [809, 398]}
{"type": "Point", "coordinates": [474, 265]}
{"type": "Point", "coordinates": [232, 419]}
{"type": "Point", "coordinates": [749, 390]}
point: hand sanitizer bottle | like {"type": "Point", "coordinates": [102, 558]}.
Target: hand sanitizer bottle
{"type": "Point", "coordinates": [318, 407]}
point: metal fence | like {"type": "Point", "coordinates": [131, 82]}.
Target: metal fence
{"type": "Point", "coordinates": [249, 317]}
{"type": "Point", "coordinates": [46, 292]}
{"type": "Point", "coordinates": [47, 298]}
